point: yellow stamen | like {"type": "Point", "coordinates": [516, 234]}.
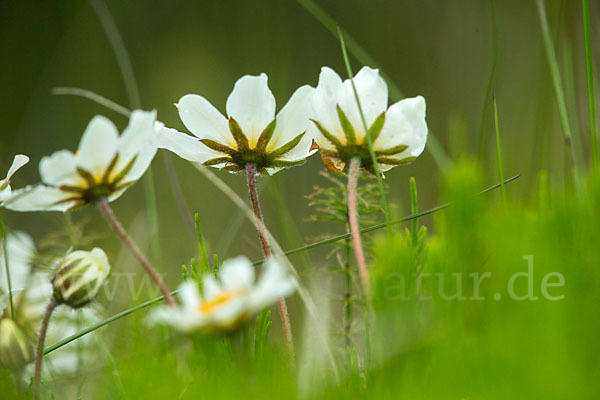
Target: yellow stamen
{"type": "Point", "coordinates": [210, 305]}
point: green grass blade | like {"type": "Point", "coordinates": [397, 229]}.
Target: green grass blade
{"type": "Point", "coordinates": [438, 153]}
{"type": "Point", "coordinates": [558, 88]}
{"type": "Point", "coordinates": [103, 101]}
{"type": "Point", "coordinates": [4, 238]}
{"type": "Point", "coordinates": [590, 83]}
{"type": "Point", "coordinates": [386, 209]}
{"type": "Point", "coordinates": [499, 149]}
{"type": "Point", "coordinates": [105, 322]}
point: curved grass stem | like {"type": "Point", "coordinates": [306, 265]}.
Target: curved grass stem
{"type": "Point", "coordinates": [115, 224]}
{"type": "Point", "coordinates": [40, 348]}
{"type": "Point", "coordinates": [353, 174]}
{"type": "Point", "coordinates": [262, 234]}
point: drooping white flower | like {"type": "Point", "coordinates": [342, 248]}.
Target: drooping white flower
{"type": "Point", "coordinates": [399, 132]}
{"type": "Point", "coordinates": [32, 291]}
{"type": "Point", "coordinates": [105, 165]}
{"type": "Point", "coordinates": [250, 134]}
{"type": "Point", "coordinates": [225, 303]}
{"type": "Point", "coordinates": [80, 276]}
{"type": "Point", "coordinates": [5, 190]}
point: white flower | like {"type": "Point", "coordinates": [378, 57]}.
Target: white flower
{"type": "Point", "coordinates": [80, 276]}
{"type": "Point", "coordinates": [105, 165]}
{"type": "Point", "coordinates": [5, 190]}
{"type": "Point", "coordinates": [232, 300]}
{"type": "Point", "coordinates": [251, 134]}
{"type": "Point", "coordinates": [399, 132]}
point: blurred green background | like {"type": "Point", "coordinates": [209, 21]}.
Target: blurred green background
{"type": "Point", "coordinates": [453, 53]}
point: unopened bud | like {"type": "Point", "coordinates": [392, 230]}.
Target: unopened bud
{"type": "Point", "coordinates": [80, 276]}
{"type": "Point", "coordinates": [16, 348]}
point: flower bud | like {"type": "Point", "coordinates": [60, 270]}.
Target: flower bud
{"type": "Point", "coordinates": [16, 349]}
{"type": "Point", "coordinates": [80, 276]}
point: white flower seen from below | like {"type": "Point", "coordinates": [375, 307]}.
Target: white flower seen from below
{"type": "Point", "coordinates": [398, 132]}
{"type": "Point", "coordinates": [5, 190]}
{"type": "Point", "coordinates": [250, 134]}
{"type": "Point", "coordinates": [104, 166]}
{"type": "Point", "coordinates": [229, 301]}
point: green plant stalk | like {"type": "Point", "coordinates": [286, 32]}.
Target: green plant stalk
{"type": "Point", "coordinates": [4, 237]}
{"type": "Point", "coordinates": [414, 209]}
{"type": "Point", "coordinates": [437, 151]}
{"type": "Point", "coordinates": [334, 239]}
{"type": "Point", "coordinates": [386, 210]}
{"type": "Point", "coordinates": [499, 149]}
{"type": "Point", "coordinates": [201, 242]}
{"type": "Point", "coordinates": [558, 88]}
{"type": "Point", "coordinates": [590, 83]}
{"type": "Point", "coordinates": [348, 302]}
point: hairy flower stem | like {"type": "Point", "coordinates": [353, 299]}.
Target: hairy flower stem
{"type": "Point", "coordinates": [262, 234]}
{"type": "Point", "coordinates": [114, 223]}
{"type": "Point", "coordinates": [40, 348]}
{"type": "Point", "coordinates": [353, 173]}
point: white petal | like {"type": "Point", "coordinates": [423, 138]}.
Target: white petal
{"type": "Point", "coordinates": [324, 107]}
{"type": "Point", "coordinates": [188, 295]}
{"type": "Point", "coordinates": [210, 287]}
{"type": "Point", "coordinates": [185, 146]}
{"type": "Point", "coordinates": [252, 105]}
{"type": "Point", "coordinates": [204, 120]}
{"type": "Point", "coordinates": [138, 140]}
{"type": "Point", "coordinates": [293, 118]}
{"type": "Point", "coordinates": [18, 162]}
{"type": "Point", "coordinates": [404, 124]}
{"type": "Point", "coordinates": [60, 169]}
{"type": "Point", "coordinates": [39, 198]}
{"type": "Point", "coordinates": [98, 146]}
{"type": "Point", "coordinates": [228, 314]}
{"type": "Point", "coordinates": [274, 282]}
{"type": "Point", "coordinates": [20, 249]}
{"type": "Point", "coordinates": [237, 273]}
{"type": "Point", "coordinates": [373, 94]}
{"type": "Point", "coordinates": [5, 193]}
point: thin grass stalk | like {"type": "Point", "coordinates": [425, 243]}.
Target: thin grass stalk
{"type": "Point", "coordinates": [558, 89]}
{"type": "Point", "coordinates": [414, 209]}
{"type": "Point", "coordinates": [116, 41]}
{"type": "Point", "coordinates": [115, 224]}
{"type": "Point", "coordinates": [590, 83]}
{"type": "Point", "coordinates": [4, 237]}
{"type": "Point", "coordinates": [499, 149]}
{"type": "Point", "coordinates": [40, 348]}
{"type": "Point", "coordinates": [264, 241]}
{"type": "Point", "coordinates": [353, 174]}
{"type": "Point", "coordinates": [386, 210]}
{"type": "Point", "coordinates": [433, 145]}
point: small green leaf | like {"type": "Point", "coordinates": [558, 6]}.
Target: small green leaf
{"type": "Point", "coordinates": [265, 136]}
{"type": "Point", "coordinates": [346, 126]}
{"type": "Point", "coordinates": [392, 150]}
{"type": "Point", "coordinates": [376, 127]}
{"type": "Point", "coordinates": [211, 144]}
{"type": "Point", "coordinates": [238, 135]}
{"type": "Point", "coordinates": [328, 135]}
{"type": "Point", "coordinates": [287, 147]}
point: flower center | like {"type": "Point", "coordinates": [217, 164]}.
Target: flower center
{"type": "Point", "coordinates": [220, 299]}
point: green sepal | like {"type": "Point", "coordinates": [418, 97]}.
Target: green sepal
{"type": "Point", "coordinates": [328, 135]}
{"type": "Point", "coordinates": [346, 126]}
{"type": "Point", "coordinates": [284, 164]}
{"type": "Point", "coordinates": [392, 161]}
{"type": "Point", "coordinates": [392, 150]}
{"type": "Point", "coordinates": [377, 126]}
{"type": "Point", "coordinates": [265, 136]}
{"type": "Point", "coordinates": [211, 144]}
{"type": "Point", "coordinates": [216, 161]}
{"type": "Point", "coordinates": [287, 147]}
{"type": "Point", "coordinates": [238, 135]}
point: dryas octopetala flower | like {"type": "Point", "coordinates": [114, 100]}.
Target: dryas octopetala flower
{"type": "Point", "coordinates": [229, 301]}
{"type": "Point", "coordinates": [79, 277]}
{"type": "Point", "coordinates": [5, 190]}
{"type": "Point", "coordinates": [251, 133]}
{"type": "Point", "coordinates": [398, 133]}
{"type": "Point", "coordinates": [105, 165]}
